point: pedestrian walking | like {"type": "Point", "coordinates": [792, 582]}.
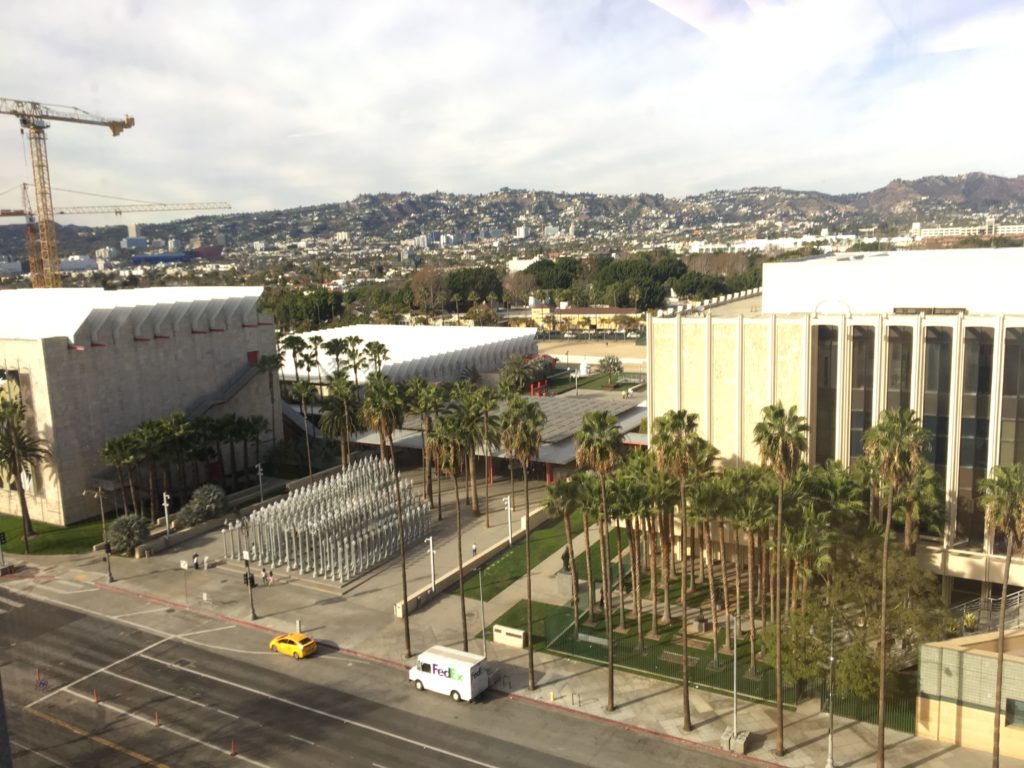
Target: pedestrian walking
{"type": "Point", "coordinates": [263, 576]}
{"type": "Point", "coordinates": [195, 561]}
{"type": "Point", "coordinates": [270, 578]}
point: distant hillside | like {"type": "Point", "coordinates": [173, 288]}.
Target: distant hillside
{"type": "Point", "coordinates": [718, 214]}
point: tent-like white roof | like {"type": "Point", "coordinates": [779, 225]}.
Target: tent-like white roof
{"type": "Point", "coordinates": [435, 353]}
{"type": "Point", "coordinates": [43, 313]}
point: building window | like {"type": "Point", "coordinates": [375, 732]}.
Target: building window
{"type": "Point", "coordinates": [862, 386]}
{"type": "Point", "coordinates": [901, 349]}
{"type": "Point", "coordinates": [974, 429]}
{"type": "Point", "coordinates": [1011, 445]}
{"type": "Point", "coordinates": [1015, 712]}
{"type": "Point", "coordinates": [938, 362]}
{"type": "Point", "coordinates": [826, 373]}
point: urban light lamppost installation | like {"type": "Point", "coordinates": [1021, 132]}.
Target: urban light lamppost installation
{"type": "Point", "coordinates": [259, 476]}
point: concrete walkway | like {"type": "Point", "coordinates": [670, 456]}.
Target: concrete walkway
{"type": "Point", "coordinates": [359, 616]}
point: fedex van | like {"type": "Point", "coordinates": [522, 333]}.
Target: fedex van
{"type": "Point", "coordinates": [458, 674]}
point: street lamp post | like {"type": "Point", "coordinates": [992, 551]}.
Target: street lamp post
{"type": "Point", "coordinates": [831, 684]}
{"type": "Point", "coordinates": [429, 541]}
{"type": "Point", "coordinates": [259, 475]}
{"type": "Point", "coordinates": [735, 654]}
{"type": "Point", "coordinates": [248, 573]}
{"type": "Point", "coordinates": [167, 514]}
{"type": "Point", "coordinates": [98, 494]}
{"type": "Point", "coordinates": [508, 513]}
{"type": "Point", "coordinates": [483, 621]}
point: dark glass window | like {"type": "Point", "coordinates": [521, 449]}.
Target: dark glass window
{"type": "Point", "coordinates": [862, 370]}
{"type": "Point", "coordinates": [974, 429]}
{"type": "Point", "coordinates": [901, 349]}
{"type": "Point", "coordinates": [938, 361]}
{"type": "Point", "coordinates": [826, 338]}
{"type": "Point", "coordinates": [1011, 445]}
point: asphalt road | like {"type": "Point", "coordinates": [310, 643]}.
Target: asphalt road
{"type": "Point", "coordinates": [82, 689]}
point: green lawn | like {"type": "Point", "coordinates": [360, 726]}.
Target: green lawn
{"type": "Point", "coordinates": [510, 566]}
{"type": "Point", "coordinates": [51, 539]}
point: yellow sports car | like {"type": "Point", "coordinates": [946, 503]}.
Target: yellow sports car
{"type": "Point", "coordinates": [294, 644]}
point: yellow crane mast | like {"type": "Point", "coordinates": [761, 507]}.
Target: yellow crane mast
{"type": "Point", "coordinates": [33, 117]}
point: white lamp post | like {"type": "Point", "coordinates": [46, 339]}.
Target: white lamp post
{"type": "Point", "coordinates": [259, 475]}
{"type": "Point", "coordinates": [430, 547]}
{"type": "Point", "coordinates": [831, 684]}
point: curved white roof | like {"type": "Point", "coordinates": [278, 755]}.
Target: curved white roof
{"type": "Point", "coordinates": [43, 313]}
{"type": "Point", "coordinates": [435, 353]}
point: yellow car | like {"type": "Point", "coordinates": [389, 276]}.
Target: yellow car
{"type": "Point", "coordinates": [294, 644]}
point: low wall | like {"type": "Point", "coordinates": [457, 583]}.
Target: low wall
{"type": "Point", "coordinates": [160, 543]}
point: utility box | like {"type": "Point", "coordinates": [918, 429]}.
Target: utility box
{"type": "Point", "coordinates": [725, 742]}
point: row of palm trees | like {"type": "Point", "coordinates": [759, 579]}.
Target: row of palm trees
{"type": "Point", "coordinates": [21, 453]}
{"type": "Point", "coordinates": [791, 539]}
{"type": "Point", "coordinates": [178, 451]}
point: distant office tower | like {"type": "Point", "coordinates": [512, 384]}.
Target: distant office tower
{"type": "Point", "coordinates": [522, 232]}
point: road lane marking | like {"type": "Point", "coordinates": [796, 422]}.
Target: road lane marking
{"type": "Point", "coordinates": [133, 681]}
{"type": "Point", "coordinates": [37, 753]}
{"type": "Point", "coordinates": [204, 631]}
{"type": "Point", "coordinates": [114, 663]}
{"type": "Point", "coordinates": [12, 603]}
{"type": "Point", "coordinates": [98, 739]}
{"type": "Point", "coordinates": [322, 713]}
{"type": "Point", "coordinates": [170, 729]}
{"type": "Point", "coordinates": [299, 738]}
{"type": "Point", "coordinates": [139, 613]}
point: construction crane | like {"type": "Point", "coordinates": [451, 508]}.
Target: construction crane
{"type": "Point", "coordinates": [33, 117]}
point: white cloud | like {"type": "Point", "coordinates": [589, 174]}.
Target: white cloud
{"type": "Point", "coordinates": [272, 104]}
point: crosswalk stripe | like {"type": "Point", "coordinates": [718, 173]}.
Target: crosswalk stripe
{"type": "Point", "coordinates": [12, 603]}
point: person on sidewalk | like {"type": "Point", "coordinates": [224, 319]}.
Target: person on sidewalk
{"type": "Point", "coordinates": [195, 561]}
{"type": "Point", "coordinates": [270, 578]}
{"type": "Point", "coordinates": [263, 576]}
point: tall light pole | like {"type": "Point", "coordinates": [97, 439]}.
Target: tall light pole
{"type": "Point", "coordinates": [429, 541]}
{"type": "Point", "coordinates": [248, 573]}
{"type": "Point", "coordinates": [508, 512]}
{"type": "Point", "coordinates": [167, 514]}
{"type": "Point", "coordinates": [831, 683]}
{"type": "Point", "coordinates": [98, 494]}
{"type": "Point", "coordinates": [483, 621]}
{"type": "Point", "coordinates": [259, 475]}
{"type": "Point", "coordinates": [735, 654]}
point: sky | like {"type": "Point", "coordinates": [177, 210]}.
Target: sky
{"type": "Point", "coordinates": [281, 104]}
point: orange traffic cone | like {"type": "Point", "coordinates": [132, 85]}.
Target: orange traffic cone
{"type": "Point", "coordinates": [157, 721]}
{"type": "Point", "coordinates": [233, 750]}
{"type": "Point", "coordinates": [95, 696]}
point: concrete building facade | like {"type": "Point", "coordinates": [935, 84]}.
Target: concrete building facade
{"type": "Point", "coordinates": [91, 364]}
{"type": "Point", "coordinates": [844, 338]}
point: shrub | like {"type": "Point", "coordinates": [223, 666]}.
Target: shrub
{"type": "Point", "coordinates": [127, 532]}
{"type": "Point", "coordinates": [208, 501]}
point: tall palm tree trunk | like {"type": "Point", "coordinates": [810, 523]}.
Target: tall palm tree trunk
{"type": "Point", "coordinates": [634, 563]}
{"type": "Point", "coordinates": [725, 582]}
{"type": "Point", "coordinates": [880, 754]}
{"type": "Point", "coordinates": [462, 585]}
{"type": "Point", "coordinates": [653, 576]}
{"type": "Point", "coordinates": [684, 596]}
{"type": "Point", "coordinates": [666, 568]}
{"type": "Point", "coordinates": [401, 549]}
{"type": "Point", "coordinates": [590, 569]}
{"type": "Point", "coordinates": [531, 684]}
{"type": "Point", "coordinates": [622, 589]}
{"type": "Point", "coordinates": [780, 744]}
{"type": "Point", "coordinates": [606, 577]}
{"type": "Point", "coordinates": [750, 598]}
{"type": "Point", "coordinates": [26, 522]}
{"type": "Point", "coordinates": [708, 559]}
{"type": "Point", "coordinates": [471, 481]}
{"type": "Point", "coordinates": [1000, 650]}
{"type": "Point", "coordinates": [572, 572]}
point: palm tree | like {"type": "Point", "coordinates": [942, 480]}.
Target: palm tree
{"type": "Point", "coordinates": [20, 451]}
{"type": "Point", "coordinates": [355, 356]}
{"type": "Point", "coordinates": [1002, 496]}
{"type": "Point", "coordinates": [151, 442]}
{"type": "Point", "coordinates": [520, 434]}
{"type": "Point", "coordinates": [384, 410]}
{"type": "Point", "coordinates": [335, 348]}
{"type": "Point", "coordinates": [339, 414]}
{"type": "Point", "coordinates": [514, 376]}
{"type": "Point", "coordinates": [376, 353]}
{"type": "Point", "coordinates": [296, 345]}
{"type": "Point", "coordinates": [781, 438]}
{"type": "Point", "coordinates": [754, 507]}
{"type": "Point", "coordinates": [425, 399]}
{"type": "Point", "coordinates": [562, 502]}
{"type": "Point", "coordinates": [487, 405]}
{"type": "Point", "coordinates": [303, 392]}
{"type": "Point", "coordinates": [897, 445]}
{"type": "Point", "coordinates": [115, 452]}
{"type": "Point", "coordinates": [449, 445]}
{"type": "Point", "coordinates": [599, 447]}
{"type": "Point", "coordinates": [271, 364]}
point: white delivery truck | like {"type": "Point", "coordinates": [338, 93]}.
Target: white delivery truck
{"type": "Point", "coordinates": [458, 674]}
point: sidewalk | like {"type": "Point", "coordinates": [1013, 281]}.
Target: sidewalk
{"type": "Point", "coordinates": [359, 616]}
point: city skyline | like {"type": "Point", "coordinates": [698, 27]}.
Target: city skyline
{"type": "Point", "coordinates": [272, 107]}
